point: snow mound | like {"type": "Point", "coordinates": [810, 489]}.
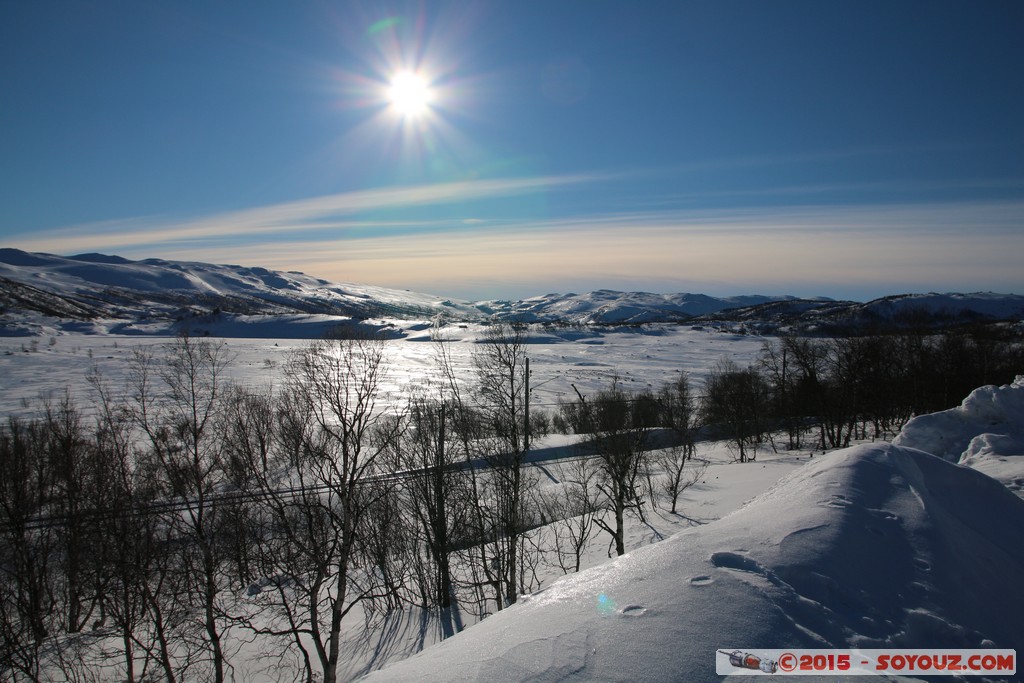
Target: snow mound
{"type": "Point", "coordinates": [872, 546]}
{"type": "Point", "coordinates": [985, 432]}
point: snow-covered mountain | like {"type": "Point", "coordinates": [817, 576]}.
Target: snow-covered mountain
{"type": "Point", "coordinates": [101, 293]}
{"type": "Point", "coordinates": [609, 307]}
{"type": "Point", "coordinates": [101, 287]}
{"type": "Point", "coordinates": [97, 287]}
{"type": "Point", "coordinates": [875, 546]}
{"type": "Point", "coordinates": [763, 313]}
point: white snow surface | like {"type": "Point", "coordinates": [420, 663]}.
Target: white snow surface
{"type": "Point", "coordinates": [872, 546]}
{"type": "Point", "coordinates": [986, 432]}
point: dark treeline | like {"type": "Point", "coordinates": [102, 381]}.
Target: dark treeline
{"type": "Point", "coordinates": [817, 392]}
{"type": "Point", "coordinates": [838, 389]}
{"type": "Point", "coordinates": [183, 514]}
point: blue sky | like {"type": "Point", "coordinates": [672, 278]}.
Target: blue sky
{"type": "Point", "coordinates": [847, 149]}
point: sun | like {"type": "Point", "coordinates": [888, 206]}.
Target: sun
{"type": "Point", "coordinates": [410, 94]}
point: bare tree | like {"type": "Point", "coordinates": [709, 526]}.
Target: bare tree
{"type": "Point", "coordinates": [333, 433]}
{"type": "Point", "coordinates": [622, 434]}
{"type": "Point", "coordinates": [179, 399]}
{"type": "Point", "coordinates": [678, 477]}
{"type": "Point", "coordinates": [777, 364]}
{"type": "Point", "coordinates": [435, 493]}
{"type": "Point", "coordinates": [80, 501]}
{"type": "Point", "coordinates": [290, 530]}
{"type": "Point", "coordinates": [679, 412]}
{"type": "Point", "coordinates": [247, 425]}
{"type": "Point", "coordinates": [28, 552]}
{"type": "Point", "coordinates": [816, 392]}
{"type": "Point", "coordinates": [501, 374]}
{"type": "Point", "coordinates": [621, 424]}
{"type": "Point", "coordinates": [737, 401]}
{"type": "Point", "coordinates": [469, 435]}
{"type": "Point", "coordinates": [573, 510]}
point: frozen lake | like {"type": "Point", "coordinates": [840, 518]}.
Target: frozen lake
{"type": "Point", "coordinates": [32, 368]}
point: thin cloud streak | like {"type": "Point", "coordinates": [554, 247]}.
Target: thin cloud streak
{"type": "Point", "coordinates": [289, 217]}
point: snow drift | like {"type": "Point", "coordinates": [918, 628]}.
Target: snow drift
{"type": "Point", "coordinates": [872, 546]}
{"type": "Point", "coordinates": [985, 432]}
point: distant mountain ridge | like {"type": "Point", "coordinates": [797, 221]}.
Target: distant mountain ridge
{"type": "Point", "coordinates": [609, 307]}
{"type": "Point", "coordinates": [38, 290]}
{"type": "Point", "coordinates": [898, 311]}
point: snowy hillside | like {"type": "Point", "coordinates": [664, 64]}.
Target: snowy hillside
{"type": "Point", "coordinates": [40, 289]}
{"type": "Point", "coordinates": [872, 546]}
{"type": "Point", "coordinates": [976, 305]}
{"type": "Point", "coordinates": [891, 312]}
{"type": "Point", "coordinates": [610, 307]}
{"type": "Point", "coordinates": [97, 287]}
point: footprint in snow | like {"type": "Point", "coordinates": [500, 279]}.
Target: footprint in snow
{"type": "Point", "coordinates": [633, 611]}
{"type": "Point", "coordinates": [885, 514]}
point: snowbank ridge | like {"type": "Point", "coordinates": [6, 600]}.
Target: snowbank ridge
{"type": "Point", "coordinates": [986, 432]}
{"type": "Point", "coordinates": [872, 546]}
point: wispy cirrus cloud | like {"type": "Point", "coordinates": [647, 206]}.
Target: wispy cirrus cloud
{"type": "Point", "coordinates": [326, 212]}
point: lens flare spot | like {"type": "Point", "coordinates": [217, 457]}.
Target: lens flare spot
{"type": "Point", "coordinates": [383, 25]}
{"type": "Point", "coordinates": [605, 604]}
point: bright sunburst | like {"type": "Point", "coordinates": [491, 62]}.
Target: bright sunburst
{"type": "Point", "coordinates": [410, 94]}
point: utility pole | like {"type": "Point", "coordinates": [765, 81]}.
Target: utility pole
{"type": "Point", "coordinates": [526, 409]}
{"type": "Point", "coordinates": [440, 439]}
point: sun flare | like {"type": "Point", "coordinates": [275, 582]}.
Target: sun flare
{"type": "Point", "coordinates": [410, 94]}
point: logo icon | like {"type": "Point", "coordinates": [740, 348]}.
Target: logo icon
{"type": "Point", "coordinates": [745, 660]}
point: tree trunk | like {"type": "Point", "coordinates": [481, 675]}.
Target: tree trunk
{"type": "Point", "coordinates": [334, 637]}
